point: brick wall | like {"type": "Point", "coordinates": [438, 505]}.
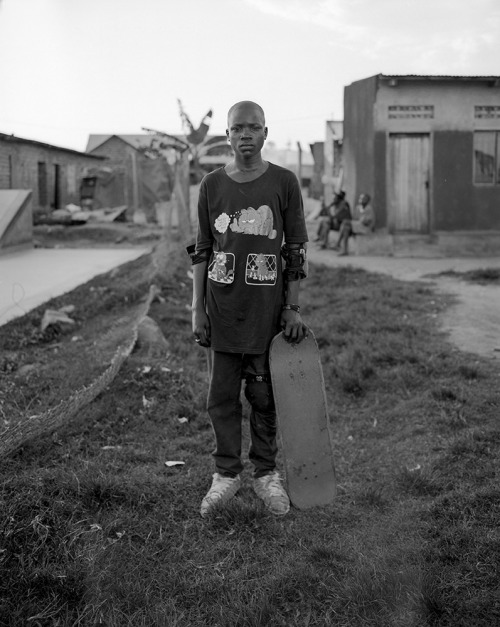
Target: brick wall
{"type": "Point", "coordinates": [21, 167]}
{"type": "Point", "coordinates": [5, 170]}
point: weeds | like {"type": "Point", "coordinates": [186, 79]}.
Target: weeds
{"type": "Point", "coordinates": [95, 529]}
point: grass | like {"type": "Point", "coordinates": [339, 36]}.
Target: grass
{"type": "Point", "coordinates": [96, 530]}
{"type": "Point", "coordinates": [483, 276]}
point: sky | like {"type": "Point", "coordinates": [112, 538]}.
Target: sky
{"type": "Point", "coordinates": [70, 68]}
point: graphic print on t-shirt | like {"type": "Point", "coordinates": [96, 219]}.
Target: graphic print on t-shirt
{"type": "Point", "coordinates": [248, 221]}
{"type": "Point", "coordinates": [260, 269]}
{"type": "Point", "coordinates": [221, 269]}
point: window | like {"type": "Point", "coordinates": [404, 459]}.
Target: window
{"type": "Point", "coordinates": [487, 157]}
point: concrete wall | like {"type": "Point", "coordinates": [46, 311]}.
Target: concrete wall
{"type": "Point", "coordinates": [359, 140]}
{"type": "Point", "coordinates": [19, 169]}
{"type": "Point", "coordinates": [453, 103]}
{"type": "Point", "coordinates": [458, 203]}
{"type": "Point", "coordinates": [379, 180]}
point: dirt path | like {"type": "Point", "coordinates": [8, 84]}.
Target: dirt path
{"type": "Point", "coordinates": [473, 322]}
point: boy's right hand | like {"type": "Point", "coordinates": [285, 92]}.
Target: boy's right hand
{"type": "Point", "coordinates": [294, 330]}
{"type": "Point", "coordinates": [201, 328]}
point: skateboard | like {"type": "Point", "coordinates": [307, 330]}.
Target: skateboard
{"type": "Point", "coordinates": [300, 399]}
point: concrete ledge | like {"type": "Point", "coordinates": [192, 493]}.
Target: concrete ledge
{"type": "Point", "coordinates": [16, 220]}
{"type": "Point", "coordinates": [437, 245]}
{"type": "Point", "coordinates": [473, 243]}
{"type": "Point", "coordinates": [440, 244]}
{"type": "Point", "coordinates": [373, 244]}
{"type": "Point", "coordinates": [31, 277]}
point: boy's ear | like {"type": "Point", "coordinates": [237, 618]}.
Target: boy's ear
{"type": "Point", "coordinates": [265, 132]}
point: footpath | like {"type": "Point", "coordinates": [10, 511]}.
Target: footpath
{"type": "Point", "coordinates": [473, 321]}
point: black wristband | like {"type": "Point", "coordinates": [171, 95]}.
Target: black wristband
{"type": "Point", "coordinates": [292, 307]}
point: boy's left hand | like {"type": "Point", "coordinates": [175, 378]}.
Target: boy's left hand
{"type": "Point", "coordinates": [294, 329]}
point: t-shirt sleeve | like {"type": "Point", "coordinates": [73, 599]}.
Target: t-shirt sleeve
{"type": "Point", "coordinates": [294, 223]}
{"type": "Point", "coordinates": [204, 238]}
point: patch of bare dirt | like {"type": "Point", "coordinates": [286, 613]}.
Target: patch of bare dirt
{"type": "Point", "coordinates": [473, 320]}
{"type": "Point", "coordinates": [96, 235]}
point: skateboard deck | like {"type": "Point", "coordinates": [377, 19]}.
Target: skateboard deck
{"type": "Point", "coordinates": [300, 399]}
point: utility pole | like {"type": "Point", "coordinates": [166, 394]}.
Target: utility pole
{"type": "Point", "coordinates": [299, 174]}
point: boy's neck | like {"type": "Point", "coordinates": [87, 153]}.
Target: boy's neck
{"type": "Point", "coordinates": [242, 170]}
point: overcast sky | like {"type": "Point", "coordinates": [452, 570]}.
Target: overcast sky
{"type": "Point", "coordinates": [69, 68]}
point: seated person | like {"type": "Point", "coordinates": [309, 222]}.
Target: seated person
{"type": "Point", "coordinates": [337, 212]}
{"type": "Point", "coordinates": [365, 223]}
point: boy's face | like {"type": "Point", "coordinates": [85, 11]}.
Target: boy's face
{"type": "Point", "coordinates": [246, 130]}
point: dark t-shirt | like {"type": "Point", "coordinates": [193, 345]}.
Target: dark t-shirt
{"type": "Point", "coordinates": [342, 211]}
{"type": "Point", "coordinates": [244, 225]}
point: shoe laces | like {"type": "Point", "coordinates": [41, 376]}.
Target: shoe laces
{"type": "Point", "coordinates": [273, 484]}
{"type": "Point", "coordinates": [221, 484]}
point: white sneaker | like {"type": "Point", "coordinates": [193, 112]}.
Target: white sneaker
{"type": "Point", "coordinates": [222, 489]}
{"type": "Point", "coordinates": [270, 490]}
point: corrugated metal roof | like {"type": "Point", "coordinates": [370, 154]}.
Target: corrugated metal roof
{"type": "Point", "coordinates": [140, 140]}
{"type": "Point", "coordinates": [22, 140]}
{"type": "Point", "coordinates": [441, 77]}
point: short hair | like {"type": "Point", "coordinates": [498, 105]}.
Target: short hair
{"type": "Point", "coordinates": [246, 103]}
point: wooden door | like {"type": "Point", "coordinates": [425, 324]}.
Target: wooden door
{"type": "Point", "coordinates": [56, 198]}
{"type": "Point", "coordinates": [408, 182]}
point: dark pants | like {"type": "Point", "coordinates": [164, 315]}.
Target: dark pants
{"type": "Point", "coordinates": [326, 225]}
{"type": "Point", "coordinates": [225, 411]}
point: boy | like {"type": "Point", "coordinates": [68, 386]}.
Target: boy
{"type": "Point", "coordinates": [337, 212]}
{"type": "Point", "coordinates": [365, 223]}
{"type": "Point", "coordinates": [241, 299]}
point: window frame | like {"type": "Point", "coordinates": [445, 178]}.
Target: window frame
{"type": "Point", "coordinates": [495, 181]}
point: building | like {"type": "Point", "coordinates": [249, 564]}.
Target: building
{"type": "Point", "coordinates": [129, 177]}
{"type": "Point", "coordinates": [333, 173]}
{"type": "Point", "coordinates": [213, 153]}
{"type": "Point", "coordinates": [298, 160]}
{"type": "Point", "coordinates": [140, 168]}
{"type": "Point", "coordinates": [54, 174]}
{"type": "Point", "coordinates": [316, 183]}
{"type": "Point", "coordinates": [427, 149]}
